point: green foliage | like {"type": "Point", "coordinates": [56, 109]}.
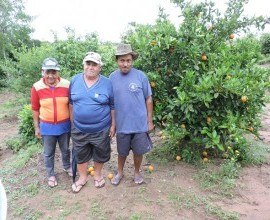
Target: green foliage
{"type": "Point", "coordinates": [203, 94]}
{"type": "Point", "coordinates": [69, 53]}
{"type": "Point", "coordinates": [26, 124]}
{"type": "Point", "coordinates": [265, 43]}
{"type": "Point", "coordinates": [14, 30]}
{"type": "Point", "coordinates": [22, 74]}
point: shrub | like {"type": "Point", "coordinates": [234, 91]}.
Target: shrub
{"type": "Point", "coordinates": [26, 124]}
{"type": "Point", "coordinates": [265, 43]}
{"type": "Point", "coordinates": [207, 89]}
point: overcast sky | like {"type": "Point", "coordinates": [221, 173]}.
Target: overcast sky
{"type": "Point", "coordinates": [109, 18]}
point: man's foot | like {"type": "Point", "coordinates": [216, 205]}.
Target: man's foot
{"type": "Point", "coordinates": [138, 179]}
{"type": "Point", "coordinates": [76, 187]}
{"type": "Point", "coordinates": [116, 180]}
{"type": "Point", "coordinates": [52, 181]}
{"type": "Point", "coordinates": [99, 183]}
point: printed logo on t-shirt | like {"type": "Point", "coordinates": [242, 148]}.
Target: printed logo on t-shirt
{"type": "Point", "coordinates": [133, 87]}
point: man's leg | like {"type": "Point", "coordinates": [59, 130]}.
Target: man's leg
{"type": "Point", "coordinates": [121, 164]}
{"type": "Point", "coordinates": [49, 145]}
{"type": "Point", "coordinates": [120, 173]}
{"type": "Point", "coordinates": [63, 141]}
{"type": "Point", "coordinates": [82, 169]}
{"type": "Point", "coordinates": [98, 178]}
{"type": "Point", "coordinates": [137, 165]}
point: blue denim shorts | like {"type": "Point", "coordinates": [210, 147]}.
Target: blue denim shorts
{"type": "Point", "coordinates": [139, 143]}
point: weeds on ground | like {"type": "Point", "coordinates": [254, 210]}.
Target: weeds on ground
{"type": "Point", "coordinates": [221, 180]}
{"type": "Point", "coordinates": [187, 199]}
{"type": "Point", "coordinates": [255, 153]}
{"type": "Point", "coordinates": [13, 105]}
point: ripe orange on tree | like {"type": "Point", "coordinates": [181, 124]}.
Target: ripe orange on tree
{"type": "Point", "coordinates": [205, 159]}
{"type": "Point", "coordinates": [204, 57]}
{"type": "Point", "coordinates": [231, 36]}
{"type": "Point", "coordinates": [153, 84]}
{"type": "Point", "coordinates": [183, 126]}
{"type": "Point", "coordinates": [204, 154]}
{"type": "Point", "coordinates": [244, 98]}
{"type": "Point", "coordinates": [92, 173]}
{"type": "Point", "coordinates": [153, 43]}
{"type": "Point", "coordinates": [209, 119]}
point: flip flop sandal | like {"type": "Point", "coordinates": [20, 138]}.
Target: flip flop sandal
{"type": "Point", "coordinates": [100, 183]}
{"type": "Point", "coordinates": [138, 180]}
{"type": "Point", "coordinates": [77, 187]}
{"type": "Point", "coordinates": [116, 180]}
{"type": "Point", "coordinates": [52, 183]}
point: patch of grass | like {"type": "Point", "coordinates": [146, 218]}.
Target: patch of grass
{"type": "Point", "coordinates": [255, 153]}
{"type": "Point", "coordinates": [221, 214]}
{"type": "Point", "coordinates": [33, 215]}
{"type": "Point", "coordinates": [96, 211]}
{"type": "Point", "coordinates": [135, 216]}
{"type": "Point", "coordinates": [187, 199]}
{"type": "Point", "coordinates": [222, 180]}
{"type": "Point", "coordinates": [15, 143]}
{"type": "Point", "coordinates": [32, 188]}
{"type": "Point", "coordinates": [13, 104]}
{"type": "Point", "coordinates": [25, 155]}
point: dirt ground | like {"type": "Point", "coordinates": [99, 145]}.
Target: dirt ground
{"type": "Point", "coordinates": [170, 192]}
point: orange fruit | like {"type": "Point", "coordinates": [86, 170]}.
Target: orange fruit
{"type": "Point", "coordinates": [205, 159]}
{"type": "Point", "coordinates": [244, 98]}
{"type": "Point", "coordinates": [251, 129]}
{"type": "Point", "coordinates": [204, 154]}
{"type": "Point", "coordinates": [204, 57]}
{"type": "Point", "coordinates": [231, 36]}
{"type": "Point", "coordinates": [92, 173]}
{"type": "Point", "coordinates": [153, 43]}
{"type": "Point", "coordinates": [110, 176]}
{"type": "Point", "coordinates": [153, 84]}
{"type": "Point", "coordinates": [178, 157]}
{"type": "Point", "coordinates": [90, 169]}
{"type": "Point", "coordinates": [183, 126]}
{"type": "Point", "coordinates": [151, 168]}
{"type": "Point", "coordinates": [209, 119]}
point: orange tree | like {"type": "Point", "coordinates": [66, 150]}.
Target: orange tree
{"type": "Point", "coordinates": [207, 88]}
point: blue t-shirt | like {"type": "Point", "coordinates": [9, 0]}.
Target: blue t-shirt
{"type": "Point", "coordinates": [130, 93]}
{"type": "Point", "coordinates": [91, 105]}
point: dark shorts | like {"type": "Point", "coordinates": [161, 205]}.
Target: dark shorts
{"type": "Point", "coordinates": [91, 146]}
{"type": "Point", "coordinates": [139, 143]}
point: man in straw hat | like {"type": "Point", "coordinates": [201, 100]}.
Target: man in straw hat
{"type": "Point", "coordinates": [133, 111]}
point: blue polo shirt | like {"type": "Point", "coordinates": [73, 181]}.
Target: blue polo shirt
{"type": "Point", "coordinates": [91, 105]}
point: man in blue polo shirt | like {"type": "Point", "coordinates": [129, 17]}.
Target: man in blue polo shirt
{"type": "Point", "coordinates": [133, 111]}
{"type": "Point", "coordinates": [92, 117]}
